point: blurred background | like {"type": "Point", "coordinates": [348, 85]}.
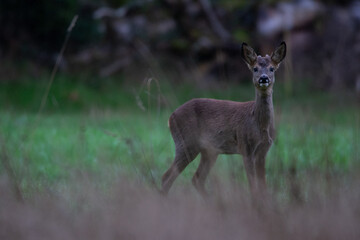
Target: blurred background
{"type": "Point", "coordinates": [84, 109]}
{"type": "Point", "coordinates": [194, 41]}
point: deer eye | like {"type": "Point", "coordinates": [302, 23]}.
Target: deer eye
{"type": "Point", "coordinates": [255, 69]}
{"type": "Point", "coordinates": [271, 69]}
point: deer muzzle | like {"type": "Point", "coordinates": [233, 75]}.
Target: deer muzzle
{"type": "Point", "coordinates": [264, 81]}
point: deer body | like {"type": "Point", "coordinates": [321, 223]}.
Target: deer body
{"type": "Point", "coordinates": [212, 127]}
{"type": "Point", "coordinates": [223, 127]}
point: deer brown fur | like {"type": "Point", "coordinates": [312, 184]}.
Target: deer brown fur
{"type": "Point", "coordinates": [212, 127]}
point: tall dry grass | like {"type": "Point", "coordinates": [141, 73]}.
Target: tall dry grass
{"type": "Point", "coordinates": [132, 211]}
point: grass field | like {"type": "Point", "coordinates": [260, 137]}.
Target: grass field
{"type": "Point", "coordinates": [101, 135]}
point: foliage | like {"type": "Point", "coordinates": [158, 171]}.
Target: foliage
{"type": "Point", "coordinates": [39, 27]}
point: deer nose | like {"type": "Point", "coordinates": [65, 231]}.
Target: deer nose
{"type": "Point", "coordinates": [264, 79]}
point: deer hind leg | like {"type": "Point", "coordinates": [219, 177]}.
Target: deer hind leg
{"type": "Point", "coordinates": [206, 162]}
{"type": "Point", "coordinates": [182, 158]}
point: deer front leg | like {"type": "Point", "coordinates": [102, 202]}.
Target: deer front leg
{"type": "Point", "coordinates": [250, 171]}
{"type": "Point", "coordinates": [259, 159]}
{"type": "Point", "coordinates": [260, 173]}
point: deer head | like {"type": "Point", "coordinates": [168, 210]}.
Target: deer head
{"type": "Point", "coordinates": [263, 68]}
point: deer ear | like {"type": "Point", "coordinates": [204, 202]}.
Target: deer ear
{"type": "Point", "coordinates": [279, 54]}
{"type": "Point", "coordinates": [248, 54]}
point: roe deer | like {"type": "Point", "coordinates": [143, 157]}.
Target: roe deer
{"type": "Point", "coordinates": [212, 127]}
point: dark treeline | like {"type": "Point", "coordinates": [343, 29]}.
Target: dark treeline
{"type": "Point", "coordinates": [119, 36]}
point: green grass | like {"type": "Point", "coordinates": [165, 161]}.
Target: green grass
{"type": "Point", "coordinates": [118, 130]}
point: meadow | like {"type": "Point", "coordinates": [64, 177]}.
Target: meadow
{"type": "Point", "coordinates": [112, 140]}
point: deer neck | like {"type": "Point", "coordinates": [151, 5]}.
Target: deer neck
{"type": "Point", "coordinates": [264, 109]}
